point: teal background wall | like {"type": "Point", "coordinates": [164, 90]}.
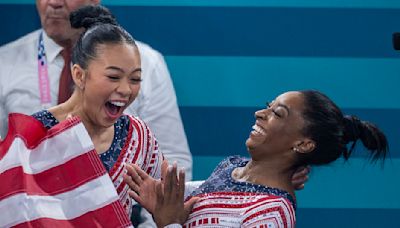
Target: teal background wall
{"type": "Point", "coordinates": [228, 57]}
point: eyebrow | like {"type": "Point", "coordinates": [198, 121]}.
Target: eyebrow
{"type": "Point", "coordinates": [285, 107]}
{"type": "Point", "coordinates": [121, 70]}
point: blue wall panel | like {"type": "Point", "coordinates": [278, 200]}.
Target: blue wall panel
{"type": "Point", "coordinates": [228, 57]}
{"type": "Point", "coordinates": [334, 218]}
{"type": "Point", "coordinates": [222, 131]}
{"type": "Point", "coordinates": [248, 31]}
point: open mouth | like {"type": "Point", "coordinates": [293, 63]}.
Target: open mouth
{"type": "Point", "coordinates": [114, 107]}
{"type": "Point", "coordinates": [257, 130]}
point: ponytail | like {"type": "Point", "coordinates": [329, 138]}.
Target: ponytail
{"type": "Point", "coordinates": [369, 134]}
{"type": "Point", "coordinates": [332, 132]}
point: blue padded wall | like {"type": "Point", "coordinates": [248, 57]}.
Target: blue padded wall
{"type": "Point", "coordinates": [227, 58]}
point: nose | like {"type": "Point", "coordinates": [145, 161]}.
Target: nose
{"type": "Point", "coordinates": [261, 114]}
{"type": "Point", "coordinates": [124, 88]}
{"type": "Point", "coordinates": [56, 3]}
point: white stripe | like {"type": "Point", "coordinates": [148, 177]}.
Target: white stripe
{"type": "Point", "coordinates": [88, 197]}
{"type": "Point", "coordinates": [64, 147]}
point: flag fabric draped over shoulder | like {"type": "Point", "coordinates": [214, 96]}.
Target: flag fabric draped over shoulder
{"type": "Point", "coordinates": [54, 178]}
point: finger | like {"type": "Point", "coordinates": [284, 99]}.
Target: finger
{"type": "Point", "coordinates": [181, 185]}
{"type": "Point", "coordinates": [301, 175]}
{"type": "Point", "coordinates": [159, 194]}
{"type": "Point", "coordinates": [188, 206]}
{"type": "Point", "coordinates": [174, 183]}
{"type": "Point", "coordinates": [174, 175]}
{"type": "Point", "coordinates": [168, 183]}
{"type": "Point", "coordinates": [299, 180]}
{"type": "Point", "coordinates": [140, 172]}
{"type": "Point", "coordinates": [132, 185]}
{"type": "Point", "coordinates": [301, 171]}
{"type": "Point", "coordinates": [164, 167]}
{"type": "Point", "coordinates": [136, 197]}
{"type": "Point", "coordinates": [171, 181]}
{"type": "Point", "coordinates": [133, 173]}
{"type": "Point", "coordinates": [300, 187]}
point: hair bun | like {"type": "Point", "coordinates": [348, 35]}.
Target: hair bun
{"type": "Point", "coordinates": [91, 15]}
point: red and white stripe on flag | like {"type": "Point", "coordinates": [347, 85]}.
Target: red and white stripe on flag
{"type": "Point", "coordinates": [54, 178]}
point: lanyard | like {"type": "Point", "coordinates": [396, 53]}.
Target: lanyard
{"type": "Point", "coordinates": [44, 83]}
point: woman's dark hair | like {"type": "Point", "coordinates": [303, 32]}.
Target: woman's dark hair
{"type": "Point", "coordinates": [100, 27]}
{"type": "Point", "coordinates": [332, 132]}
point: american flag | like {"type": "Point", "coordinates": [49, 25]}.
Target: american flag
{"type": "Point", "coordinates": [54, 178]}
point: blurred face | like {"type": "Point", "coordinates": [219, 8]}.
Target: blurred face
{"type": "Point", "coordinates": [278, 126]}
{"type": "Point", "coordinates": [111, 83]}
{"type": "Point", "coordinates": [54, 17]}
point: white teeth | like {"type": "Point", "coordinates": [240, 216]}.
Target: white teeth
{"type": "Point", "coordinates": [259, 130]}
{"type": "Point", "coordinates": [117, 103]}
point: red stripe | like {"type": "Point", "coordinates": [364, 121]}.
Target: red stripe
{"type": "Point", "coordinates": [149, 140]}
{"type": "Point", "coordinates": [285, 203]}
{"type": "Point", "coordinates": [140, 132]}
{"type": "Point", "coordinates": [102, 217]}
{"type": "Point", "coordinates": [121, 155]}
{"type": "Point", "coordinates": [19, 124]}
{"type": "Point", "coordinates": [269, 210]}
{"type": "Point", "coordinates": [226, 195]}
{"type": "Point", "coordinates": [138, 151]}
{"type": "Point", "coordinates": [266, 200]}
{"type": "Point", "coordinates": [31, 131]}
{"type": "Point", "coordinates": [53, 181]}
{"type": "Point", "coordinates": [96, 162]}
{"type": "Point", "coordinates": [120, 161]}
{"type": "Point", "coordinates": [226, 205]}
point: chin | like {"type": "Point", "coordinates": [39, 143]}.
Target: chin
{"type": "Point", "coordinates": [57, 31]}
{"type": "Point", "coordinates": [249, 144]}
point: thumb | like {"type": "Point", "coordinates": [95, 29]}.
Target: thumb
{"type": "Point", "coordinates": [188, 205]}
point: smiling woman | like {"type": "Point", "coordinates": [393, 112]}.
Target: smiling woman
{"type": "Point", "coordinates": [106, 70]}
{"type": "Point", "coordinates": [297, 128]}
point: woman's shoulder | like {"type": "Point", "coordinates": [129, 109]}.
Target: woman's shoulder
{"type": "Point", "coordinates": [234, 160]}
{"type": "Point", "coordinates": [136, 127]}
{"type": "Point", "coordinates": [228, 164]}
{"type": "Point", "coordinates": [131, 119]}
{"type": "Point", "coordinates": [46, 118]}
{"type": "Point", "coordinates": [134, 122]}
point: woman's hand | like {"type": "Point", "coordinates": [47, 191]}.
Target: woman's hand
{"type": "Point", "coordinates": [300, 177]}
{"type": "Point", "coordinates": [164, 199]}
{"type": "Point", "coordinates": [170, 205]}
{"type": "Point", "coordinates": [143, 187]}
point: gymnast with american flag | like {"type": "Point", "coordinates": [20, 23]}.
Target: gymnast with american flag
{"type": "Point", "coordinates": [65, 166]}
{"type": "Point", "coordinates": [50, 171]}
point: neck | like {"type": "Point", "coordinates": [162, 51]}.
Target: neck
{"type": "Point", "coordinates": [268, 172]}
{"type": "Point", "coordinates": [66, 44]}
{"type": "Point", "coordinates": [100, 135]}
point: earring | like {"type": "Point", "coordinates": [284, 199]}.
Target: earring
{"type": "Point", "coordinates": [295, 149]}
